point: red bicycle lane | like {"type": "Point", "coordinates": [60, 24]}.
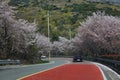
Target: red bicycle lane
{"type": "Point", "coordinates": [69, 72]}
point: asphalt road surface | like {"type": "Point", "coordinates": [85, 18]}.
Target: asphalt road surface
{"type": "Point", "coordinates": [15, 72]}
{"type": "Point", "coordinates": [69, 72]}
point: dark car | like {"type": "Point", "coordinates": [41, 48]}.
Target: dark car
{"type": "Point", "coordinates": [77, 58]}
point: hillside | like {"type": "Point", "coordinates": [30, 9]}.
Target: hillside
{"type": "Point", "coordinates": [65, 15]}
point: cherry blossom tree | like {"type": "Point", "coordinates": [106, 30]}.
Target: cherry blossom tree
{"type": "Point", "coordinates": [6, 15]}
{"type": "Point", "coordinates": [43, 43]}
{"type": "Point", "coordinates": [15, 35]}
{"type": "Point", "coordinates": [18, 38]}
{"type": "Point", "coordinates": [63, 46]}
{"type": "Point", "coordinates": [99, 34]}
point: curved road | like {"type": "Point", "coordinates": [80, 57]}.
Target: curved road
{"type": "Point", "coordinates": [20, 71]}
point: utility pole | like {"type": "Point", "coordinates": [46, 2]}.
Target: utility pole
{"type": "Point", "coordinates": [49, 52]}
{"type": "Point", "coordinates": [70, 33]}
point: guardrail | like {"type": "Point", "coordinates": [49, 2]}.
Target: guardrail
{"type": "Point", "coordinates": [114, 64]}
{"type": "Point", "coordinates": [3, 62]}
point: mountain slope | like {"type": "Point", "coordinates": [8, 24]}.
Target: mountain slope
{"type": "Point", "coordinates": [65, 15]}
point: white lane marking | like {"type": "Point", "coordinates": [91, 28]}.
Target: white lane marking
{"type": "Point", "coordinates": [104, 77]}
{"type": "Point", "coordinates": [109, 69]}
{"type": "Point", "coordinates": [98, 64]}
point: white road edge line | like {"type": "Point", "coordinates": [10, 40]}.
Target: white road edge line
{"type": "Point", "coordinates": [104, 77]}
{"type": "Point", "coordinates": [97, 64]}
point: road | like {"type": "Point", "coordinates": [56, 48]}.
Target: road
{"type": "Point", "coordinates": [16, 72]}
{"type": "Point", "coordinates": [69, 72]}
{"type": "Point", "coordinates": [20, 71]}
